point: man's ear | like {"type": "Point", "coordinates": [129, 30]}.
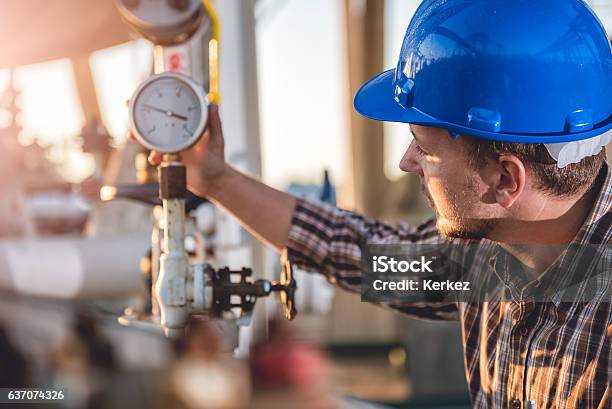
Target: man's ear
{"type": "Point", "coordinates": [510, 181]}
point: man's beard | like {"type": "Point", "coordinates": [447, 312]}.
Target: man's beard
{"type": "Point", "coordinates": [459, 227]}
{"type": "Point", "coordinates": [470, 229]}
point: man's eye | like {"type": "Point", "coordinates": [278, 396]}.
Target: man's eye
{"type": "Point", "coordinates": [420, 150]}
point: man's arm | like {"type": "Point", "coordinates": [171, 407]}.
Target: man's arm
{"type": "Point", "coordinates": [264, 211]}
{"type": "Point", "coordinates": [319, 237]}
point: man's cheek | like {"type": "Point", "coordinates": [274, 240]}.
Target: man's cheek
{"type": "Point", "coordinates": [442, 198]}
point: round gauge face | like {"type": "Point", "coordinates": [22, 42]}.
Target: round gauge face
{"type": "Point", "coordinates": [168, 112]}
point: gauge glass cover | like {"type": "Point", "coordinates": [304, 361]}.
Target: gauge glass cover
{"type": "Point", "coordinates": [168, 112]}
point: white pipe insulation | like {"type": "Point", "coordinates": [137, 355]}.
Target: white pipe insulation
{"type": "Point", "coordinates": [73, 268]}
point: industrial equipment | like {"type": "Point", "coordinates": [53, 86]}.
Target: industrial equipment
{"type": "Point", "coordinates": [168, 113]}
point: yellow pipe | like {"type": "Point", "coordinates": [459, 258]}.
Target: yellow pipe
{"type": "Point", "coordinates": [214, 95]}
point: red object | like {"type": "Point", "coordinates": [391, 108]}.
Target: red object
{"type": "Point", "coordinates": [175, 62]}
{"type": "Point", "coordinates": [298, 364]}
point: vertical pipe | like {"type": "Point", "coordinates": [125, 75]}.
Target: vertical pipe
{"type": "Point", "coordinates": [364, 23]}
{"type": "Point", "coordinates": [174, 226]}
{"type": "Point", "coordinates": [174, 265]}
{"type": "Point", "coordinates": [171, 285]}
{"type": "Point", "coordinates": [238, 82]}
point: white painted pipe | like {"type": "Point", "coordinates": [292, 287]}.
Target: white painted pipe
{"type": "Point", "coordinates": [73, 268]}
{"type": "Point", "coordinates": [171, 285]}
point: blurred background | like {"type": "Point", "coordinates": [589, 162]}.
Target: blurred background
{"type": "Point", "coordinates": [70, 263]}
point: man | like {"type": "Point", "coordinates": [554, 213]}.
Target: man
{"type": "Point", "coordinates": [510, 104]}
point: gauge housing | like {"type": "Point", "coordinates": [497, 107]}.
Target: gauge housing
{"type": "Point", "coordinates": [168, 112]}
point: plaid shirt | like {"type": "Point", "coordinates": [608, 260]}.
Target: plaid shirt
{"type": "Point", "coordinates": [555, 353]}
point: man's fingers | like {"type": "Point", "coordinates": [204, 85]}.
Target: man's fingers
{"type": "Point", "coordinates": [155, 158]}
{"type": "Point", "coordinates": [131, 136]}
{"type": "Point", "coordinates": [214, 122]}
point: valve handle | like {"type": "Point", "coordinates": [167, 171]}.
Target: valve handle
{"type": "Point", "coordinates": [287, 286]}
{"type": "Point", "coordinates": [247, 291]}
{"type": "Point", "coordinates": [147, 193]}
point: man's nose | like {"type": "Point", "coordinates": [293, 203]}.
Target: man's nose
{"type": "Point", "coordinates": [410, 162]}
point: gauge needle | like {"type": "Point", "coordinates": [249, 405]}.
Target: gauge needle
{"type": "Point", "coordinates": [167, 112]}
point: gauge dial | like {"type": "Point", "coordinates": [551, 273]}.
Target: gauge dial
{"type": "Point", "coordinates": [168, 112]}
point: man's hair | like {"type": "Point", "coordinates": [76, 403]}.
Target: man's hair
{"type": "Point", "coordinates": [571, 180]}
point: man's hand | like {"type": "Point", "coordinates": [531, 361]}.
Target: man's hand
{"type": "Point", "coordinates": [205, 161]}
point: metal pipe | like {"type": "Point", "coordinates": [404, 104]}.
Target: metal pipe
{"type": "Point", "coordinates": [171, 285]}
{"type": "Point", "coordinates": [73, 268]}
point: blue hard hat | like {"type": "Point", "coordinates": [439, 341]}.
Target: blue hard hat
{"type": "Point", "coordinates": [533, 71]}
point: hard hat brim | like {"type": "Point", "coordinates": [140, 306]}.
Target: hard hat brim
{"type": "Point", "coordinates": [376, 100]}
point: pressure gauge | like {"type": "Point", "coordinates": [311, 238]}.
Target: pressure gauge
{"type": "Point", "coordinates": [168, 112]}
